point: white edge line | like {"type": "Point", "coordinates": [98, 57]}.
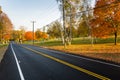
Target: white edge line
{"type": "Point", "coordinates": [18, 66]}
{"type": "Point", "coordinates": [90, 59]}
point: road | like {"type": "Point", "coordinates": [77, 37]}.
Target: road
{"type": "Point", "coordinates": [25, 62]}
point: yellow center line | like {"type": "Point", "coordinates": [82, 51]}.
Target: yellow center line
{"type": "Point", "coordinates": [70, 65]}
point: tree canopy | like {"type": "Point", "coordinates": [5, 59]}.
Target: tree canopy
{"type": "Point", "coordinates": [106, 18]}
{"type": "Point", "coordinates": [6, 27]}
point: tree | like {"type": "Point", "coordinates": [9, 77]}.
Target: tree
{"type": "Point", "coordinates": [68, 12]}
{"type": "Point", "coordinates": [19, 35]}
{"type": "Point", "coordinates": [106, 18]}
{"type": "Point", "coordinates": [87, 14]}
{"type": "Point", "coordinates": [41, 35]}
{"type": "Point", "coordinates": [29, 35]}
{"type": "Point", "coordinates": [16, 35]}
{"type": "Point", "coordinates": [5, 27]}
{"type": "Point", "coordinates": [38, 34]}
{"type": "Point", "coordinates": [44, 35]}
{"type": "Point", "coordinates": [22, 33]}
{"type": "Point", "coordinates": [55, 30]}
{"type": "Point", "coordinates": [83, 29]}
{"type": "Point", "coordinates": [74, 12]}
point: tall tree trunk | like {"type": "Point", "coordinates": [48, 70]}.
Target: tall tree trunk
{"type": "Point", "coordinates": [62, 37]}
{"type": "Point", "coordinates": [115, 34]}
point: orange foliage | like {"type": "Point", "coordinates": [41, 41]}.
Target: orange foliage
{"type": "Point", "coordinates": [106, 18]}
{"type": "Point", "coordinates": [7, 36]}
{"type": "Point", "coordinates": [29, 35]}
{"type": "Point", "coordinates": [6, 27]}
{"type": "Point", "coordinates": [40, 35]}
{"type": "Point", "coordinates": [45, 36]}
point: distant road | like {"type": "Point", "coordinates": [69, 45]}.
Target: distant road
{"type": "Point", "coordinates": [25, 62]}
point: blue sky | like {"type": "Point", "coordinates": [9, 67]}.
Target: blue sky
{"type": "Point", "coordinates": [22, 12]}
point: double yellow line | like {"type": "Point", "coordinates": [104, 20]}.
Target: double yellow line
{"type": "Point", "coordinates": [70, 65]}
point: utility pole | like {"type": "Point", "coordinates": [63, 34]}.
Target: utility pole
{"type": "Point", "coordinates": [33, 22]}
{"type": "Point", "coordinates": [44, 32]}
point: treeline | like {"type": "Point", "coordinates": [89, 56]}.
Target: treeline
{"type": "Point", "coordinates": [22, 35]}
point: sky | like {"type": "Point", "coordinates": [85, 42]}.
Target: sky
{"type": "Point", "coordinates": [23, 12]}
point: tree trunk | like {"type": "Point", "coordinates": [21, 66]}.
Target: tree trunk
{"type": "Point", "coordinates": [62, 38]}
{"type": "Point", "coordinates": [115, 34]}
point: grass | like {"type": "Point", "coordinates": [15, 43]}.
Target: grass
{"type": "Point", "coordinates": [102, 49]}
{"type": "Point", "coordinates": [46, 43]}
{"type": "Point", "coordinates": [51, 43]}
{"type": "Point", "coordinates": [75, 41]}
{"type": "Point", "coordinates": [96, 41]}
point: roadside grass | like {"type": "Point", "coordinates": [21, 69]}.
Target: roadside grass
{"type": "Point", "coordinates": [51, 43]}
{"type": "Point", "coordinates": [107, 52]}
{"type": "Point", "coordinates": [75, 41]}
{"type": "Point", "coordinates": [27, 42]}
{"type": "Point", "coordinates": [2, 50]}
{"type": "Point", "coordinates": [102, 49]}
{"type": "Point", "coordinates": [96, 41]}
{"type": "Point", "coordinates": [46, 43]}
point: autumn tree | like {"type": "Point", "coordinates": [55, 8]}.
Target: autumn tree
{"type": "Point", "coordinates": [41, 35]}
{"type": "Point", "coordinates": [29, 35]}
{"type": "Point", "coordinates": [106, 18]}
{"type": "Point", "coordinates": [18, 35]}
{"type": "Point", "coordinates": [44, 35]}
{"type": "Point", "coordinates": [22, 33]}
{"type": "Point", "coordinates": [5, 27]}
{"type": "Point", "coordinates": [38, 34]}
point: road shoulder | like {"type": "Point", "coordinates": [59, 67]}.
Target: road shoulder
{"type": "Point", "coordinates": [2, 51]}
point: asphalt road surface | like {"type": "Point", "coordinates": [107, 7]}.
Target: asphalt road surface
{"type": "Point", "coordinates": [25, 62]}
